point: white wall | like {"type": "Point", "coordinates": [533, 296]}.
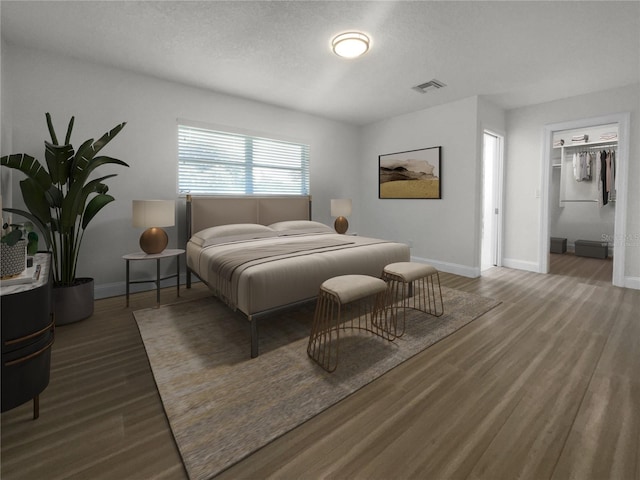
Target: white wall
{"type": "Point", "coordinates": [442, 232]}
{"type": "Point", "coordinates": [344, 159]}
{"type": "Point", "coordinates": [101, 97]}
{"type": "Point", "coordinates": [5, 134]}
{"type": "Point", "coordinates": [523, 160]}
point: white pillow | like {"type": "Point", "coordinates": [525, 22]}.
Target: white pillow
{"type": "Point", "coordinates": [231, 233]}
{"type": "Point", "coordinates": [299, 227]}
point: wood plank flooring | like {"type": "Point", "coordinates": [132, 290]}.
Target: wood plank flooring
{"type": "Point", "coordinates": [545, 386]}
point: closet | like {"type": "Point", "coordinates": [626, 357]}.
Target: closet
{"type": "Point", "coordinates": [584, 184]}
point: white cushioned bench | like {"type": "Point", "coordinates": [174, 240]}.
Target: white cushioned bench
{"type": "Point", "coordinates": [364, 296]}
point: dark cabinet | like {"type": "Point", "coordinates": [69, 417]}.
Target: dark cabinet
{"type": "Point", "coordinates": [27, 336]}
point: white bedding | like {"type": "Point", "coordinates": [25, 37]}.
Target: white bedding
{"type": "Point", "coordinates": [263, 284]}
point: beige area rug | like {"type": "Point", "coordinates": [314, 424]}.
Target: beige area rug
{"type": "Point", "coordinates": [222, 405]}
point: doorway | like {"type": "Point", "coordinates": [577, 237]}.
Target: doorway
{"type": "Point", "coordinates": [623, 122]}
{"type": "Point", "coordinates": [492, 159]}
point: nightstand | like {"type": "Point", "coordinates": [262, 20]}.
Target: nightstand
{"type": "Point", "coordinates": [141, 256]}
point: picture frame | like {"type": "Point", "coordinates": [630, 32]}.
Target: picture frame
{"type": "Point", "coordinates": [413, 174]}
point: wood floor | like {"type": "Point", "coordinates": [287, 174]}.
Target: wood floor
{"type": "Point", "coordinates": [545, 386]}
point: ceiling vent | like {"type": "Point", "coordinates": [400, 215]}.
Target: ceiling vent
{"type": "Point", "coordinates": [428, 86]}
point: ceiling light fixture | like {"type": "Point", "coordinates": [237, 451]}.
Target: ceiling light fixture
{"type": "Point", "coordinates": [350, 44]}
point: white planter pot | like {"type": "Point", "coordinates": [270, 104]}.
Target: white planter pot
{"type": "Point", "coordinates": [13, 259]}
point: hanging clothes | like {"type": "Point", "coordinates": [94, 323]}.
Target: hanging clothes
{"type": "Point", "coordinates": [603, 177]}
{"type": "Point", "coordinates": [612, 190]}
{"type": "Point", "coordinates": [582, 165]}
{"type": "Point", "coordinates": [607, 177]}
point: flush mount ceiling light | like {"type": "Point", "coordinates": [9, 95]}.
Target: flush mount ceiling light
{"type": "Point", "coordinates": [350, 44]}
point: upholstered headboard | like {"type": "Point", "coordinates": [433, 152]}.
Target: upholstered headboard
{"type": "Point", "coordinates": [209, 211]}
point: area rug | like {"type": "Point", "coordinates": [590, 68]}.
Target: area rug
{"type": "Point", "coordinates": [222, 405]}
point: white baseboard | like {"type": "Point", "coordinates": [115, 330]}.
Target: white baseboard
{"type": "Point", "coordinates": [120, 288]}
{"type": "Point", "coordinates": [632, 282]}
{"type": "Point", "coordinates": [462, 270]}
{"type": "Point", "coordinates": [520, 265]}
{"type": "Point", "coordinates": [109, 290]}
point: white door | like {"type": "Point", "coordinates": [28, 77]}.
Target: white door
{"type": "Point", "coordinates": [491, 200]}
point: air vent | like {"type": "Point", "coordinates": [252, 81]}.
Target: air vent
{"type": "Point", "coordinates": [430, 85]}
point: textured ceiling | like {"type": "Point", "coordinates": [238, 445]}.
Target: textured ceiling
{"type": "Point", "coordinates": [516, 53]}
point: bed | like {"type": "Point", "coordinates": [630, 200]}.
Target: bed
{"type": "Point", "coordinates": [260, 254]}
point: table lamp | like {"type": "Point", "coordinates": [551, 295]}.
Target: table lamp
{"type": "Point", "coordinates": [341, 208]}
{"type": "Point", "coordinates": [153, 214]}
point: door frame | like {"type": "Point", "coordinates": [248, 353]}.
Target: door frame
{"type": "Point", "coordinates": [622, 168]}
{"type": "Point", "coordinates": [498, 193]}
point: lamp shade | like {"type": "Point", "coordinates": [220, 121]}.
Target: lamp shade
{"type": "Point", "coordinates": [341, 207]}
{"type": "Point", "coordinates": [154, 213]}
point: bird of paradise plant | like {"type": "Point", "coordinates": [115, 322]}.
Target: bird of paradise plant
{"type": "Point", "coordinates": [61, 199]}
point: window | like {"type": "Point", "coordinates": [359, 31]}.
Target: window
{"type": "Point", "coordinates": [223, 163]}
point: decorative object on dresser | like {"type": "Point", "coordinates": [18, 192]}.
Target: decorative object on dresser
{"type": "Point", "coordinates": [27, 336]}
{"type": "Point", "coordinates": [13, 257]}
{"type": "Point", "coordinates": [152, 215]}
{"type": "Point", "coordinates": [341, 208]}
{"type": "Point", "coordinates": [16, 242]}
{"type": "Point", "coordinates": [61, 202]}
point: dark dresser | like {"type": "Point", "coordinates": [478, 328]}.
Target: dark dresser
{"type": "Point", "coordinates": [27, 336]}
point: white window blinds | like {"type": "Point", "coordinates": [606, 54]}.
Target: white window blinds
{"type": "Point", "coordinates": [222, 163]}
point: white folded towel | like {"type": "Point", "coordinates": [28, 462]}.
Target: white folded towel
{"type": "Point", "coordinates": [609, 136]}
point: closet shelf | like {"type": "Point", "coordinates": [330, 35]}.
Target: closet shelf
{"type": "Point", "coordinates": [588, 144]}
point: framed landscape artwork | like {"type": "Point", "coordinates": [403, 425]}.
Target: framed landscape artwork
{"type": "Point", "coordinates": [411, 174]}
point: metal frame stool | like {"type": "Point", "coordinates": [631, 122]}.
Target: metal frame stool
{"type": "Point", "coordinates": [412, 285]}
{"type": "Point", "coordinates": [363, 298]}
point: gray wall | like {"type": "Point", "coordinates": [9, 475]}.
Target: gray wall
{"type": "Point", "coordinates": [344, 158]}
{"type": "Point", "coordinates": [442, 232]}
{"type": "Point", "coordinates": [524, 157]}
{"type": "Point", "coordinates": [101, 97]}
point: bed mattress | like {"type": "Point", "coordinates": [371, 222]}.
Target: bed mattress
{"type": "Point", "coordinates": [259, 275]}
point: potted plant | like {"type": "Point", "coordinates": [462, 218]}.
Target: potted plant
{"type": "Point", "coordinates": [18, 241]}
{"type": "Point", "coordinates": [61, 201]}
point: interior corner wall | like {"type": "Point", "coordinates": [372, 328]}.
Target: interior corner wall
{"type": "Point", "coordinates": [5, 127]}
{"type": "Point", "coordinates": [101, 97]}
{"type": "Point", "coordinates": [523, 159]}
{"type": "Point", "coordinates": [492, 118]}
{"type": "Point", "coordinates": [441, 232]}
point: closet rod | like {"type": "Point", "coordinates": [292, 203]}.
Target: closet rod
{"type": "Point", "coordinates": [586, 146]}
{"type": "Point", "coordinates": [603, 147]}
